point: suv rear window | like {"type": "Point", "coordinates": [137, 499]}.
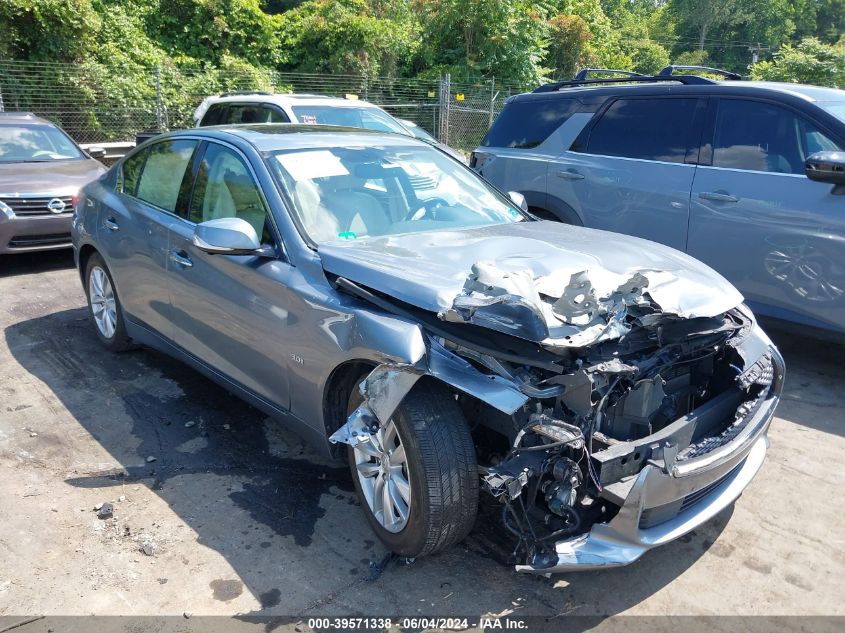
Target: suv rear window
{"type": "Point", "coordinates": [649, 129]}
{"type": "Point", "coordinates": [235, 113]}
{"type": "Point", "coordinates": [526, 123]}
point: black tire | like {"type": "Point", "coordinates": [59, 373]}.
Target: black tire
{"type": "Point", "coordinates": [442, 467]}
{"type": "Point", "coordinates": [119, 341]}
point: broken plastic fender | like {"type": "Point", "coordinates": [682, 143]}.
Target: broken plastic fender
{"type": "Point", "coordinates": [385, 386]}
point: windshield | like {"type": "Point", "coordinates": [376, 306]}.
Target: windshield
{"type": "Point", "coordinates": [35, 144]}
{"type": "Point", "coordinates": [353, 192]}
{"type": "Point", "coordinates": [349, 116]}
{"type": "Point", "coordinates": [421, 134]}
{"type": "Point", "coordinates": [836, 108]}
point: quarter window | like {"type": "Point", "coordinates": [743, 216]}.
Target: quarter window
{"type": "Point", "coordinates": [131, 170]}
{"type": "Point", "coordinates": [164, 171]}
{"type": "Point", "coordinates": [272, 115]}
{"type": "Point", "coordinates": [215, 115]}
{"type": "Point", "coordinates": [527, 123]}
{"type": "Point", "coordinates": [760, 136]}
{"type": "Point", "coordinates": [649, 129]}
{"type": "Point", "coordinates": [225, 189]}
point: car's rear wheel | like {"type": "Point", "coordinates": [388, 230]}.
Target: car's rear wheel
{"type": "Point", "coordinates": [417, 479]}
{"type": "Point", "coordinates": [104, 306]}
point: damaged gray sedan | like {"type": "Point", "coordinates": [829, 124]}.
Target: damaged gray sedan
{"type": "Point", "coordinates": [607, 394]}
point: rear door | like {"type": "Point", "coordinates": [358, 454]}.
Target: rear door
{"type": "Point", "coordinates": [758, 220]}
{"type": "Point", "coordinates": [134, 235]}
{"type": "Point", "coordinates": [631, 169]}
{"type": "Point", "coordinates": [229, 311]}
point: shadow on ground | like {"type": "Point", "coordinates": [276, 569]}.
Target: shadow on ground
{"type": "Point", "coordinates": [30, 263]}
{"type": "Point", "coordinates": [285, 519]}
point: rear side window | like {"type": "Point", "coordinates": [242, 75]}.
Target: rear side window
{"type": "Point", "coordinates": [215, 115]}
{"type": "Point", "coordinates": [272, 115]}
{"type": "Point", "coordinates": [234, 114]}
{"type": "Point", "coordinates": [649, 129]}
{"type": "Point", "coordinates": [527, 123]}
{"type": "Point", "coordinates": [244, 114]}
{"type": "Point", "coordinates": [164, 170]}
{"type": "Point", "coordinates": [131, 170]}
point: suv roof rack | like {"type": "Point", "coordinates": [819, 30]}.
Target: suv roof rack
{"type": "Point", "coordinates": [669, 71]}
{"type": "Point", "coordinates": [28, 115]}
{"type": "Point", "coordinates": [689, 80]}
{"type": "Point", "coordinates": [584, 72]}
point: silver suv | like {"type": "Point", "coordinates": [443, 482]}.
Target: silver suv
{"type": "Point", "coordinates": [719, 169]}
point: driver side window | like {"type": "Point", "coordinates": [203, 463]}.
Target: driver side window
{"type": "Point", "coordinates": [225, 189]}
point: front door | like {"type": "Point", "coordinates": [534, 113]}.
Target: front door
{"type": "Point", "coordinates": [229, 311]}
{"type": "Point", "coordinates": [758, 220]}
{"type": "Point", "coordinates": [631, 171]}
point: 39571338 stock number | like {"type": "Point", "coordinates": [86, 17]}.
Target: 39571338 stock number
{"type": "Point", "coordinates": [349, 624]}
{"type": "Point", "coordinates": [380, 624]}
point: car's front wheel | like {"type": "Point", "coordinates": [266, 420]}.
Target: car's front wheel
{"type": "Point", "coordinates": [417, 478]}
{"type": "Point", "coordinates": [104, 306]}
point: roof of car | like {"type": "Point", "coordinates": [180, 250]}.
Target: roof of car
{"type": "Point", "coordinates": [268, 137]}
{"type": "Point", "coordinates": [800, 91]}
{"type": "Point", "coordinates": [16, 118]}
{"type": "Point", "coordinates": [289, 99]}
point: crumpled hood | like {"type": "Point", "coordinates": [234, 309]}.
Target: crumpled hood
{"type": "Point", "coordinates": [552, 283]}
{"type": "Point", "coordinates": [59, 178]}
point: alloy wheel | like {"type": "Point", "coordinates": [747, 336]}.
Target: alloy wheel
{"type": "Point", "coordinates": [382, 469]}
{"type": "Point", "coordinates": [103, 304]}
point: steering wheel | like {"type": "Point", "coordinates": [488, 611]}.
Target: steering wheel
{"type": "Point", "coordinates": [431, 205]}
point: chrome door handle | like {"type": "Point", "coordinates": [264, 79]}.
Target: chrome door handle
{"type": "Point", "coordinates": [110, 224]}
{"type": "Point", "coordinates": [182, 260]}
{"type": "Point", "coordinates": [717, 196]}
{"type": "Point", "coordinates": [570, 174]}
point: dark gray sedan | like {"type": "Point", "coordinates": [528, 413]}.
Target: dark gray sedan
{"type": "Point", "coordinates": [41, 169]}
{"type": "Point", "coordinates": [604, 393]}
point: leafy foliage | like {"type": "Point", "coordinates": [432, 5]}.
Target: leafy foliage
{"type": "Point", "coordinates": [809, 62]}
{"type": "Point", "coordinates": [516, 41]}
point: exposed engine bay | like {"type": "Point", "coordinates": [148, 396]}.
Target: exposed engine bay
{"type": "Point", "coordinates": [571, 391]}
{"type": "Point", "coordinates": [614, 410]}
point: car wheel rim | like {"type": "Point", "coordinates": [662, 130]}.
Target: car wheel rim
{"type": "Point", "coordinates": [103, 304]}
{"type": "Point", "coordinates": [382, 468]}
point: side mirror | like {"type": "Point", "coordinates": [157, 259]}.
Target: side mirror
{"type": "Point", "coordinates": [95, 151]}
{"type": "Point", "coordinates": [227, 236]}
{"type": "Point", "coordinates": [827, 167]}
{"type": "Point", "coordinates": [518, 199]}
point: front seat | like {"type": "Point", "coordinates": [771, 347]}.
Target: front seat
{"type": "Point", "coordinates": [358, 212]}
{"type": "Point", "coordinates": [320, 223]}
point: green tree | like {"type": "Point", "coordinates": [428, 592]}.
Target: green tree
{"type": "Point", "coordinates": [567, 48]}
{"type": "Point", "coordinates": [342, 36]}
{"type": "Point", "coordinates": [481, 38]}
{"type": "Point", "coordinates": [210, 29]}
{"type": "Point", "coordinates": [47, 30]}
{"type": "Point", "coordinates": [809, 62]}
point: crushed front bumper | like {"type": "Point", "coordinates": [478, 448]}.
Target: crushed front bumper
{"type": "Point", "coordinates": [693, 492]}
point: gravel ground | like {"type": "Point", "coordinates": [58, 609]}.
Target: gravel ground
{"type": "Point", "coordinates": [218, 510]}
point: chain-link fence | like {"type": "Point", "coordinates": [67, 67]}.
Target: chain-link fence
{"type": "Point", "coordinates": [95, 103]}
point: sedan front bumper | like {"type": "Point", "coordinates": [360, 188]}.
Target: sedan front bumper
{"type": "Point", "coordinates": [693, 492]}
{"type": "Point", "coordinates": [21, 234]}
